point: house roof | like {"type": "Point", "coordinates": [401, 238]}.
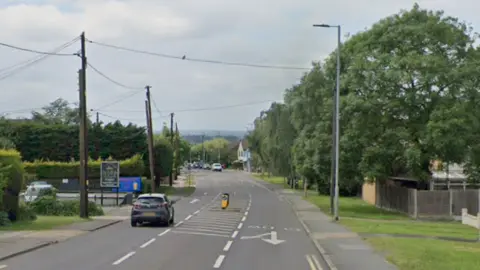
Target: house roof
{"type": "Point", "coordinates": [244, 143]}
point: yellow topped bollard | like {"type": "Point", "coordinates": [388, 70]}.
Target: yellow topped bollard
{"type": "Point", "coordinates": [225, 200]}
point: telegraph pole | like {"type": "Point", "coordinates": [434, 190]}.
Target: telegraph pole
{"type": "Point", "coordinates": [151, 157]}
{"type": "Point", "coordinates": [203, 149]}
{"type": "Point", "coordinates": [83, 144]}
{"type": "Point", "coordinates": [170, 177]}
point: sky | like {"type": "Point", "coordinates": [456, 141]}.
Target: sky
{"type": "Point", "coordinates": [203, 96]}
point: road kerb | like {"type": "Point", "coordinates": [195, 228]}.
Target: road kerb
{"type": "Point", "coordinates": [322, 251]}
{"type": "Point", "coordinates": [39, 246]}
{"type": "Point", "coordinates": [113, 222]}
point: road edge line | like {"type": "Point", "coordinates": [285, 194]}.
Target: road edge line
{"type": "Point", "coordinates": [15, 254]}
{"type": "Point", "coordinates": [322, 251]}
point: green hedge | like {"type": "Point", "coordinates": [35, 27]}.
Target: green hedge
{"type": "Point", "coordinates": [12, 171]}
{"type": "Point", "coordinates": [133, 166]}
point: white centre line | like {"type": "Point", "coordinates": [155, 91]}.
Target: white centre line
{"type": "Point", "coordinates": [234, 234]}
{"type": "Point", "coordinates": [178, 224]}
{"type": "Point", "coordinates": [196, 212]}
{"type": "Point", "coordinates": [164, 232]}
{"type": "Point", "coordinates": [219, 261]}
{"type": "Point", "coordinates": [147, 243]}
{"type": "Point", "coordinates": [189, 217]}
{"type": "Point", "coordinates": [246, 213]}
{"type": "Point", "coordinates": [119, 261]}
{"type": "Point", "coordinates": [243, 218]}
{"type": "Point", "coordinates": [240, 226]}
{"type": "Point", "coordinates": [228, 245]}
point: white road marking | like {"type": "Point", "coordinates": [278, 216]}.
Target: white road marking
{"type": "Point", "coordinates": [310, 262]}
{"type": "Point", "coordinates": [234, 234]}
{"type": "Point", "coordinates": [189, 217]}
{"type": "Point", "coordinates": [194, 200]}
{"type": "Point", "coordinates": [219, 261]}
{"type": "Point", "coordinates": [164, 232]}
{"type": "Point", "coordinates": [240, 226]}
{"type": "Point", "coordinates": [3, 266]}
{"type": "Point", "coordinates": [205, 193]}
{"type": "Point", "coordinates": [200, 233]}
{"type": "Point", "coordinates": [243, 218]}
{"type": "Point", "coordinates": [147, 243]}
{"type": "Point", "coordinates": [317, 263]}
{"type": "Point", "coordinates": [178, 224]}
{"type": "Point", "coordinates": [246, 213]}
{"type": "Point", "coordinates": [196, 212]}
{"type": "Point", "coordinates": [228, 245]}
{"type": "Point", "coordinates": [119, 261]}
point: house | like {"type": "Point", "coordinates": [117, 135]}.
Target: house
{"type": "Point", "coordinates": [243, 154]}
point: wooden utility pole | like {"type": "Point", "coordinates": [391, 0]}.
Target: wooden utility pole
{"type": "Point", "coordinates": [151, 156]}
{"type": "Point", "coordinates": [83, 144]}
{"type": "Point", "coordinates": [170, 177]}
{"type": "Point", "coordinates": [177, 150]}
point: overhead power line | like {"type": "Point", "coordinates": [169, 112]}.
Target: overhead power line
{"type": "Point", "coordinates": [185, 58]}
{"type": "Point", "coordinates": [112, 80]}
{"type": "Point", "coordinates": [129, 119]}
{"type": "Point", "coordinates": [14, 69]}
{"type": "Point", "coordinates": [200, 109]}
{"type": "Point", "coordinates": [35, 51]}
{"type": "Point", "coordinates": [131, 94]}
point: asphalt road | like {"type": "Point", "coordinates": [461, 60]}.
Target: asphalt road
{"type": "Point", "coordinates": [204, 236]}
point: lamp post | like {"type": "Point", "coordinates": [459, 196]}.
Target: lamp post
{"type": "Point", "coordinates": [336, 116]}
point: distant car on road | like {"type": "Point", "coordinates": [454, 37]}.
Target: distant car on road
{"type": "Point", "coordinates": [206, 166]}
{"type": "Point", "coordinates": [217, 167]}
{"type": "Point", "coordinates": [153, 208]}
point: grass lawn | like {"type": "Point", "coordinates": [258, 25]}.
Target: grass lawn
{"type": "Point", "coordinates": [278, 180]}
{"type": "Point", "coordinates": [406, 253]}
{"type": "Point", "coordinates": [42, 223]}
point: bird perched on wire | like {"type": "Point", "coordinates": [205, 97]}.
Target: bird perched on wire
{"type": "Point", "coordinates": [183, 57]}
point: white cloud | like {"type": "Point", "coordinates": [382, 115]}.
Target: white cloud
{"type": "Point", "coordinates": [262, 32]}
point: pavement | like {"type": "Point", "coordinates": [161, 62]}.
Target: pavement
{"type": "Point", "coordinates": [259, 230]}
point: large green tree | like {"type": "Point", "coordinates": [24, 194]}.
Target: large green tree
{"type": "Point", "coordinates": [409, 94]}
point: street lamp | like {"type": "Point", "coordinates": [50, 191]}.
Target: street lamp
{"type": "Point", "coordinates": [336, 116]}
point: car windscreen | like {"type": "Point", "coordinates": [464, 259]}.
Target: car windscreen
{"type": "Point", "coordinates": [150, 200]}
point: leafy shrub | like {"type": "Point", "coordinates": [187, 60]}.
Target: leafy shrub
{"type": "Point", "coordinates": [12, 172]}
{"type": "Point", "coordinates": [47, 192]}
{"type": "Point", "coordinates": [4, 220]}
{"type": "Point", "coordinates": [133, 166]}
{"type": "Point", "coordinates": [5, 143]}
{"type": "Point", "coordinates": [26, 212]}
{"type": "Point", "coordinates": [50, 206]}
{"type": "Point", "coordinates": [237, 165]}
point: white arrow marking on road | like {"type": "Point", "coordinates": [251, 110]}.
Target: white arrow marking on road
{"type": "Point", "coordinates": [194, 200]}
{"type": "Point", "coordinates": [273, 239]}
{"type": "Point", "coordinates": [255, 236]}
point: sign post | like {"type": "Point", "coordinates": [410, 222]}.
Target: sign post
{"type": "Point", "coordinates": [110, 175]}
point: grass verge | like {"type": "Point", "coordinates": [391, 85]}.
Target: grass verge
{"type": "Point", "coordinates": [277, 180]}
{"type": "Point", "coordinates": [177, 191]}
{"type": "Point", "coordinates": [407, 253]}
{"type": "Point", "coordinates": [42, 223]}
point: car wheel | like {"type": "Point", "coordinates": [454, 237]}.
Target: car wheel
{"type": "Point", "coordinates": [133, 223]}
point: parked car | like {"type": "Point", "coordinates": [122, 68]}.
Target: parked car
{"type": "Point", "coordinates": [153, 208]}
{"type": "Point", "coordinates": [217, 167]}
{"type": "Point", "coordinates": [206, 166]}
{"type": "Point", "coordinates": [33, 190]}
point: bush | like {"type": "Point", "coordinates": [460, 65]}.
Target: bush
{"type": "Point", "coordinates": [133, 166]}
{"type": "Point", "coordinates": [26, 212]}
{"type": "Point", "coordinates": [50, 206]}
{"type": "Point", "coordinates": [12, 172]}
{"type": "Point", "coordinates": [237, 165]}
{"type": "Point", "coordinates": [4, 221]}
